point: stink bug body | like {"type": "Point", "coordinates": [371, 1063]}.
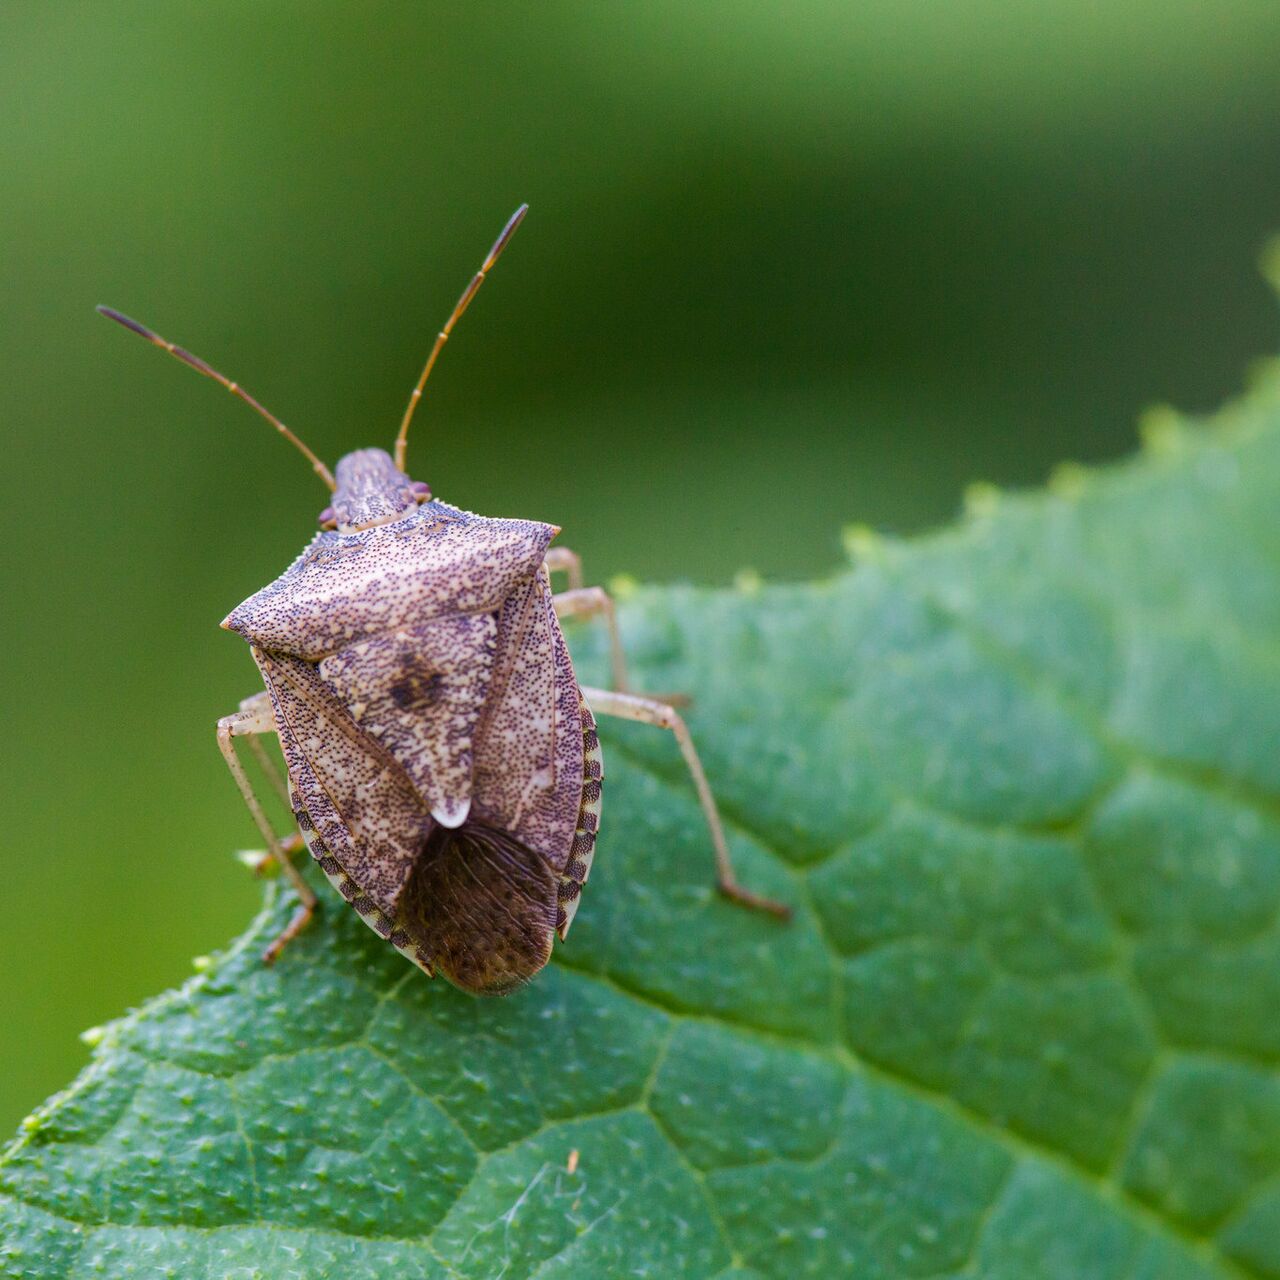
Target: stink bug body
{"type": "Point", "coordinates": [443, 762]}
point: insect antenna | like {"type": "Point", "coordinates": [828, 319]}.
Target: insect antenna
{"type": "Point", "coordinates": [234, 387]}
{"type": "Point", "coordinates": [443, 336]}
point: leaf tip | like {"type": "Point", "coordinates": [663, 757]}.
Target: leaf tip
{"type": "Point", "coordinates": [1269, 262]}
{"type": "Point", "coordinates": [862, 544]}
{"type": "Point", "coordinates": [981, 500]}
{"type": "Point", "coordinates": [1161, 431]}
{"type": "Point", "coordinates": [622, 586]}
{"type": "Point", "coordinates": [257, 862]}
{"type": "Point", "coordinates": [1068, 480]}
{"type": "Point", "coordinates": [1263, 374]}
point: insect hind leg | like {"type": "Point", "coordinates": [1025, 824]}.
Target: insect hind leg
{"type": "Point", "coordinates": [253, 719]}
{"type": "Point", "coordinates": [628, 706]}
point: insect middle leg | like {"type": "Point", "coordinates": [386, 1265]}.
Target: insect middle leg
{"type": "Point", "coordinates": [253, 719]}
{"type": "Point", "coordinates": [570, 562]}
{"type": "Point", "coordinates": [588, 602]}
{"type": "Point", "coordinates": [629, 706]}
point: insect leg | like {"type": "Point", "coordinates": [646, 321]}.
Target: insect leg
{"type": "Point", "coordinates": [587, 602]}
{"type": "Point", "coordinates": [561, 558]}
{"type": "Point", "coordinates": [628, 706]}
{"type": "Point", "coordinates": [259, 708]}
{"type": "Point", "coordinates": [259, 704]}
{"type": "Point", "coordinates": [253, 720]}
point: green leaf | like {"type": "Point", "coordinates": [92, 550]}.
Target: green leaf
{"type": "Point", "coordinates": [1021, 782]}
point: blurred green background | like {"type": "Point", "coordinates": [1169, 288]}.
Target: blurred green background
{"type": "Point", "coordinates": [786, 267]}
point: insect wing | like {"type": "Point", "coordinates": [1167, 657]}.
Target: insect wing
{"type": "Point", "coordinates": [528, 755]}
{"type": "Point", "coordinates": [475, 903]}
{"type": "Point", "coordinates": [419, 692]}
{"type": "Point", "coordinates": [484, 905]}
{"type": "Point", "coordinates": [361, 802]}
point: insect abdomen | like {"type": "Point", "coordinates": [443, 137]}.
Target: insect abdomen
{"type": "Point", "coordinates": [582, 851]}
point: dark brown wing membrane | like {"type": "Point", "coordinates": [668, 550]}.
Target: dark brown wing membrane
{"type": "Point", "coordinates": [483, 906]}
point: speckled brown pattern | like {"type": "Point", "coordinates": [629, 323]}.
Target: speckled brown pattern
{"type": "Point", "coordinates": [373, 917]}
{"type": "Point", "coordinates": [445, 767]}
{"type": "Point", "coordinates": [434, 673]}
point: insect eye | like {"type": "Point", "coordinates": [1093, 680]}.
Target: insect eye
{"type": "Point", "coordinates": [327, 519]}
{"type": "Point", "coordinates": [421, 490]}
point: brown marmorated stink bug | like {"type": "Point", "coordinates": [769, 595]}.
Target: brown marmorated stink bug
{"type": "Point", "coordinates": [443, 763]}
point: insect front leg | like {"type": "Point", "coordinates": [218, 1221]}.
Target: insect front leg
{"type": "Point", "coordinates": [253, 719]}
{"type": "Point", "coordinates": [589, 602]}
{"type": "Point", "coordinates": [629, 706]}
